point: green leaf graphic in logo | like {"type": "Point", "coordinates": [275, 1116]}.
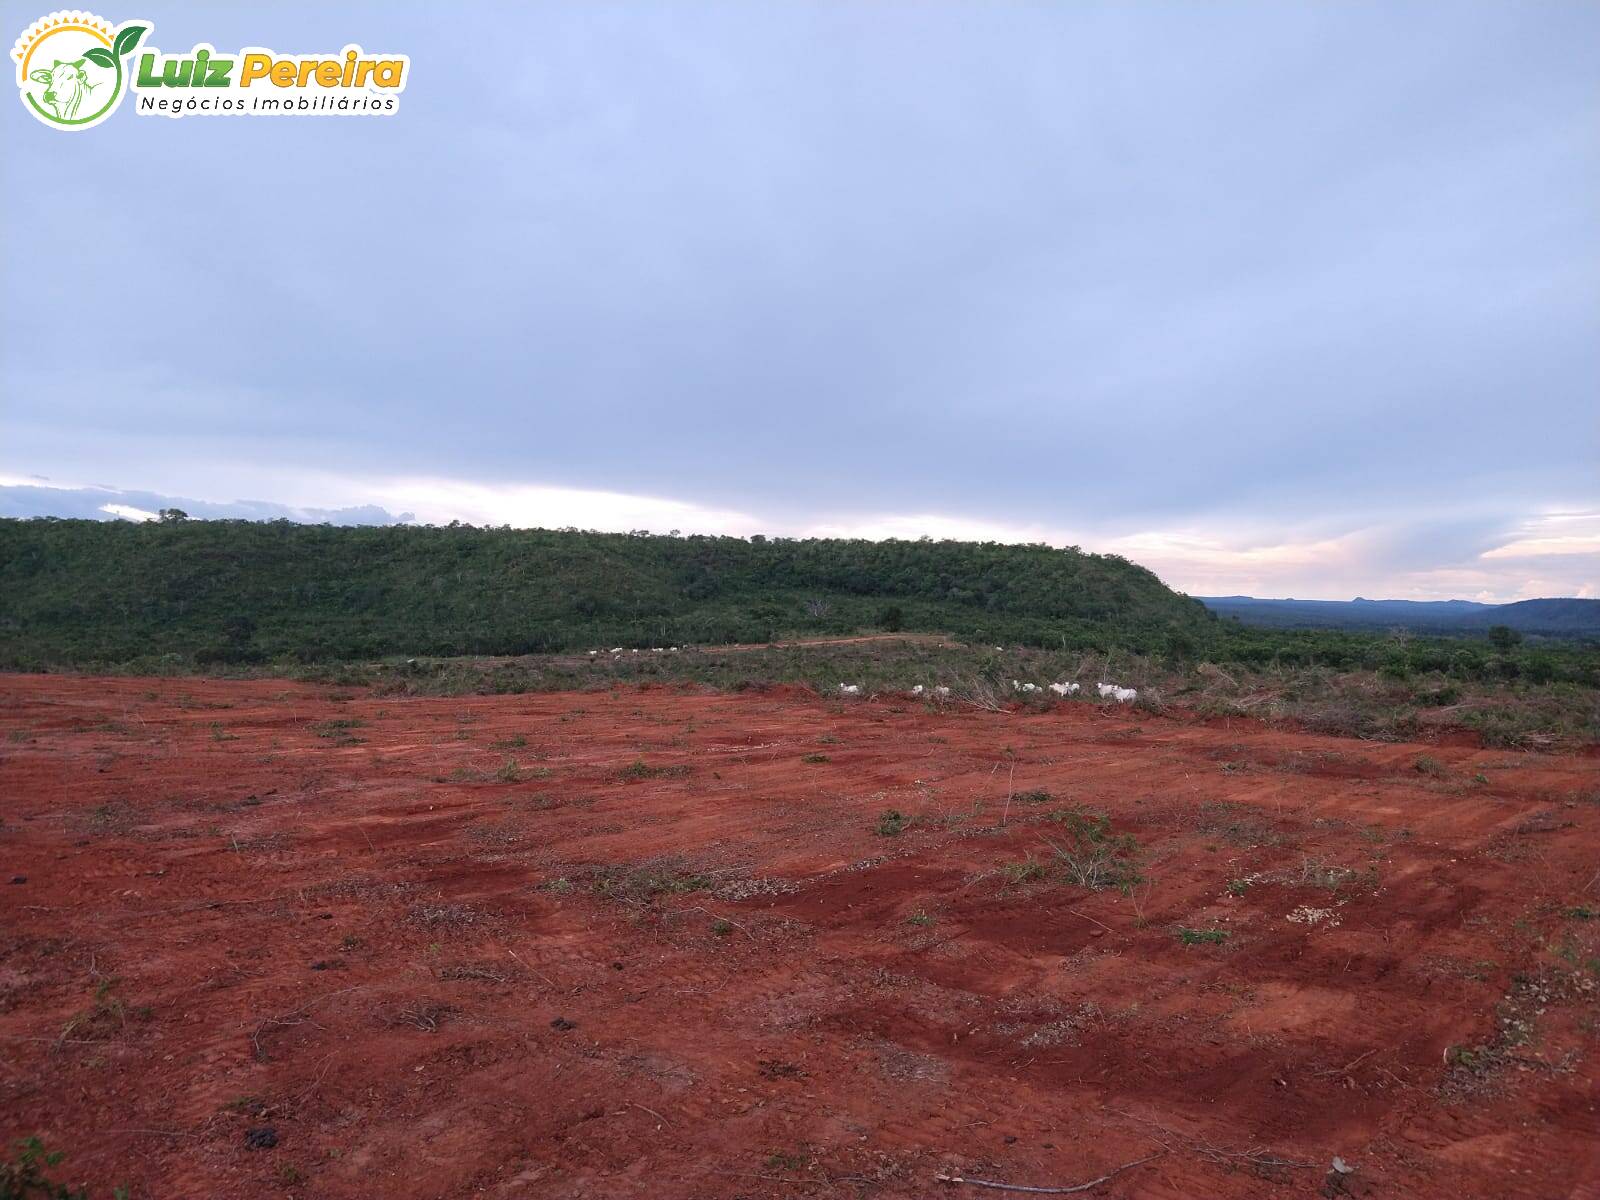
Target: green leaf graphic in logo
{"type": "Point", "coordinates": [126, 41]}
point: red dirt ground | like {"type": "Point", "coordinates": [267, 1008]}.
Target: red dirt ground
{"type": "Point", "coordinates": [431, 981]}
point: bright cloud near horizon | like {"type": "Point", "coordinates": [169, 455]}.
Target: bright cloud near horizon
{"type": "Point", "coordinates": [1277, 299]}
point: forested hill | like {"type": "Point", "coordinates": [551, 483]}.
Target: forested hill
{"type": "Point", "coordinates": [76, 591]}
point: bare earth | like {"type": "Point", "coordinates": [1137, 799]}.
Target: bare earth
{"type": "Point", "coordinates": [249, 906]}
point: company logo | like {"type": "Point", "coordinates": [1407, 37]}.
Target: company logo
{"type": "Point", "coordinates": [74, 67]}
{"type": "Point", "coordinates": [70, 67]}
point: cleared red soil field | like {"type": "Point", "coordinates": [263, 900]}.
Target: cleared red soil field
{"type": "Point", "coordinates": [666, 954]}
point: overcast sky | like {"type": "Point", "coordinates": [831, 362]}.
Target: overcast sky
{"type": "Point", "coordinates": [1276, 298]}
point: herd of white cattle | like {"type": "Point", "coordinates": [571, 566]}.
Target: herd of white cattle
{"type": "Point", "coordinates": [1108, 691]}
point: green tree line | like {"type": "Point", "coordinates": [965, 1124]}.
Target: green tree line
{"type": "Point", "coordinates": [239, 591]}
{"type": "Point", "coordinates": [196, 593]}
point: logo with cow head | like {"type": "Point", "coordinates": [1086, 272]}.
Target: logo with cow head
{"type": "Point", "coordinates": [70, 67]}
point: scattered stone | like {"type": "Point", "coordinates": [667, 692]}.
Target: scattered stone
{"type": "Point", "coordinates": [1306, 915]}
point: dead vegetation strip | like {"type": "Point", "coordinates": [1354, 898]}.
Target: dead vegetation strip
{"type": "Point", "coordinates": [1054, 1191]}
{"type": "Point", "coordinates": [1256, 1156]}
{"type": "Point", "coordinates": [299, 1015]}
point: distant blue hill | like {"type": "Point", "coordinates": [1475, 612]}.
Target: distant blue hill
{"type": "Point", "coordinates": [1554, 618]}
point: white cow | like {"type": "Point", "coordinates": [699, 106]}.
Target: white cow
{"type": "Point", "coordinates": [1064, 689]}
{"type": "Point", "coordinates": [66, 87]}
{"type": "Point", "coordinates": [1122, 695]}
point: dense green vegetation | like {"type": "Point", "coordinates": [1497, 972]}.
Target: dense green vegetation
{"type": "Point", "coordinates": [179, 594]}
{"type": "Point", "coordinates": [241, 592]}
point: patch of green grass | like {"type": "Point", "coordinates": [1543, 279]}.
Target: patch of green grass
{"type": "Point", "coordinates": [1426, 764]}
{"type": "Point", "coordinates": [23, 1177]}
{"type": "Point", "coordinates": [1511, 725]}
{"type": "Point", "coordinates": [1235, 823]}
{"type": "Point", "coordinates": [1201, 937]}
{"type": "Point", "coordinates": [815, 758]}
{"type": "Point", "coordinates": [114, 816]}
{"type": "Point", "coordinates": [545, 801]}
{"type": "Point", "coordinates": [338, 730]}
{"type": "Point", "coordinates": [1517, 1016]}
{"type": "Point", "coordinates": [1316, 873]}
{"type": "Point", "coordinates": [509, 771]}
{"type": "Point", "coordinates": [1094, 857]}
{"type": "Point", "coordinates": [892, 823]}
{"type": "Point", "coordinates": [919, 918]}
{"type": "Point", "coordinates": [1238, 887]}
{"type": "Point", "coordinates": [1472, 1059]}
{"type": "Point", "coordinates": [643, 884]}
{"type": "Point", "coordinates": [107, 1016]}
{"type": "Point", "coordinates": [1023, 872]}
{"type": "Point", "coordinates": [639, 769]}
{"type": "Point", "coordinates": [335, 726]}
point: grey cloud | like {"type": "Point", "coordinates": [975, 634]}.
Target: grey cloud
{"type": "Point", "coordinates": [23, 500]}
{"type": "Point", "coordinates": [1315, 265]}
